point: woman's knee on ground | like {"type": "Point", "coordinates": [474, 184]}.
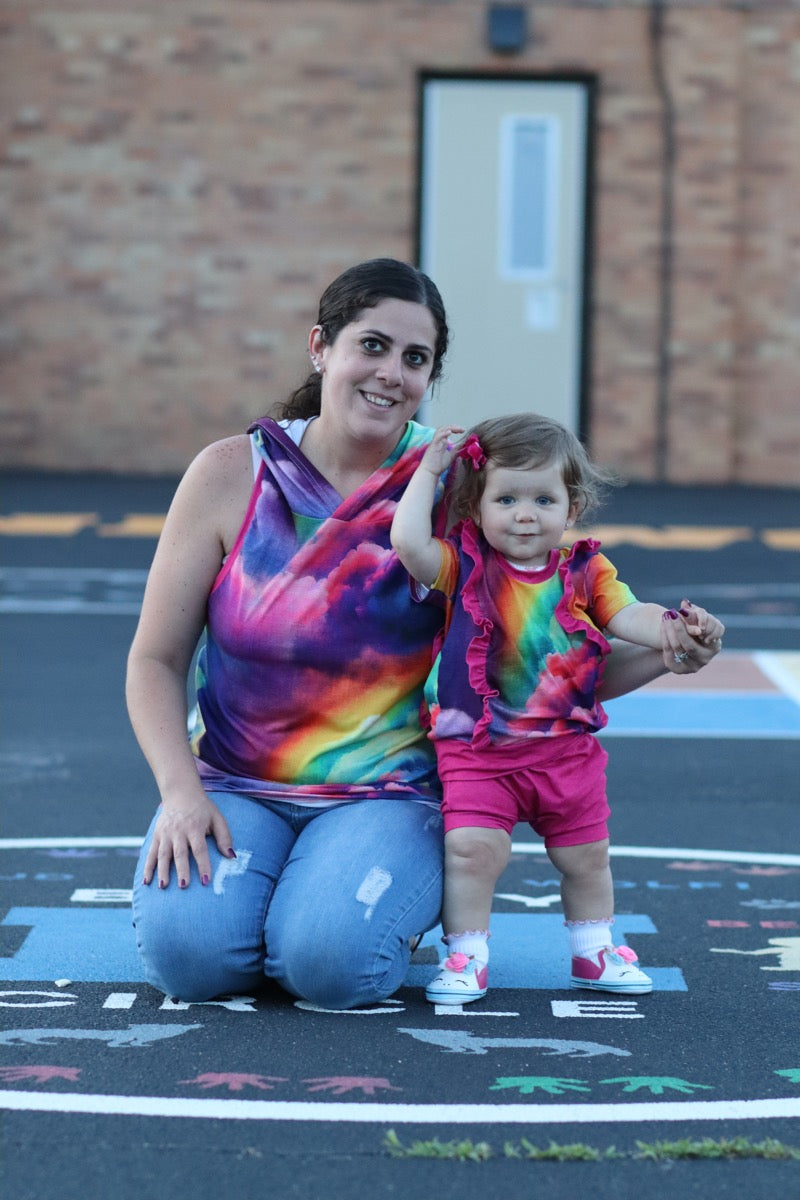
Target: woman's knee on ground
{"type": "Point", "coordinates": [336, 973]}
{"type": "Point", "coordinates": [189, 960]}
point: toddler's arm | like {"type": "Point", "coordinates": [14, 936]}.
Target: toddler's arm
{"type": "Point", "coordinates": [412, 536]}
{"type": "Point", "coordinates": [642, 624]}
{"type": "Point", "coordinates": [639, 623]}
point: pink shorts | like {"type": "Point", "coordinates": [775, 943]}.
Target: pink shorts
{"type": "Point", "coordinates": [556, 784]}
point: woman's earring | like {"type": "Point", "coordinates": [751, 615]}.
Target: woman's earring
{"type": "Point", "coordinates": [315, 363]}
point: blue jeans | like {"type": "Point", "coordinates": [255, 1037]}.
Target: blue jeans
{"type": "Point", "coordinates": [323, 901]}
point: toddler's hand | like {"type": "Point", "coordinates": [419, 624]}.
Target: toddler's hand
{"type": "Point", "coordinates": [441, 450]}
{"type": "Point", "coordinates": [700, 624]}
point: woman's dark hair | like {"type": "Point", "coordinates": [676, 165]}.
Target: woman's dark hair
{"type": "Point", "coordinates": [529, 440]}
{"type": "Point", "coordinates": [359, 287]}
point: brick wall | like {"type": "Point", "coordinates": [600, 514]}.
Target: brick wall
{"type": "Point", "coordinates": [179, 182]}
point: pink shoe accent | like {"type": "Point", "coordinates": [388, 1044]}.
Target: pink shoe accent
{"type": "Point", "coordinates": [587, 969]}
{"type": "Point", "coordinates": [460, 962]}
{"type": "Point", "coordinates": [611, 970]}
{"type": "Point", "coordinates": [456, 962]}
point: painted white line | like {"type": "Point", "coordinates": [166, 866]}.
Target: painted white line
{"type": "Point", "coordinates": [735, 591]}
{"type": "Point", "coordinates": [417, 1114]}
{"type": "Point", "coordinates": [74, 576]}
{"type": "Point", "coordinates": [69, 608]}
{"type": "Point", "coordinates": [102, 896]}
{"type": "Point", "coordinates": [739, 735]}
{"type": "Point", "coordinates": [70, 843]}
{"type": "Point", "coordinates": [743, 856]}
{"type": "Point", "coordinates": [457, 1010]}
{"type": "Point", "coordinates": [773, 664]}
{"type": "Point", "coordinates": [735, 856]}
{"type": "Point", "coordinates": [759, 621]}
{"type": "Point", "coordinates": [120, 1000]}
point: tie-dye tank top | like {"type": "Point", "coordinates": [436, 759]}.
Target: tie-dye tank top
{"type": "Point", "coordinates": [522, 653]}
{"type": "Point", "coordinates": [310, 680]}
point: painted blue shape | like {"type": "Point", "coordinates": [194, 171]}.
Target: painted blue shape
{"type": "Point", "coordinates": [703, 714]}
{"type": "Point", "coordinates": [531, 951]}
{"type": "Point", "coordinates": [134, 1035]}
{"type": "Point", "coordinates": [464, 1041]}
{"type": "Point", "coordinates": [90, 945]}
{"type": "Point", "coordinates": [84, 945]}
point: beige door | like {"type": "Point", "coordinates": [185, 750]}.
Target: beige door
{"type": "Point", "coordinates": [503, 209]}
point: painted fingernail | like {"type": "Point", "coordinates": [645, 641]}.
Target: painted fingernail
{"type": "Point", "coordinates": [231, 853]}
{"type": "Point", "coordinates": [161, 884]}
{"type": "Point", "coordinates": [684, 612]}
{"type": "Point", "coordinates": [182, 883]}
{"type": "Point", "coordinates": [670, 615]}
{"type": "Point", "coordinates": [205, 881]}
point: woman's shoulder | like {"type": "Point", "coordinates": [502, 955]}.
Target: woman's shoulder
{"type": "Point", "coordinates": [218, 483]}
{"type": "Point", "coordinates": [222, 467]}
{"type": "Point", "coordinates": [224, 459]}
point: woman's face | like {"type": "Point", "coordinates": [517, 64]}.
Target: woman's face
{"type": "Point", "coordinates": [376, 372]}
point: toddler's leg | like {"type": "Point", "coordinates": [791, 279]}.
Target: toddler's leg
{"type": "Point", "coordinates": [474, 860]}
{"type": "Point", "coordinates": [587, 887]}
{"type": "Point", "coordinates": [587, 893]}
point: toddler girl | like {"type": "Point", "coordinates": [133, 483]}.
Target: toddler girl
{"type": "Point", "coordinates": [511, 697]}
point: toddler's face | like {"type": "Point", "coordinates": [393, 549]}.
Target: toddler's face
{"type": "Point", "coordinates": [523, 512]}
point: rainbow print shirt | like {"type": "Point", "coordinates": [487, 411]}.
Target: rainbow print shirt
{"type": "Point", "coordinates": [310, 681]}
{"type": "Point", "coordinates": [521, 654]}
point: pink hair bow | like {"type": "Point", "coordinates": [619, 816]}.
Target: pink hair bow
{"type": "Point", "coordinates": [473, 450]}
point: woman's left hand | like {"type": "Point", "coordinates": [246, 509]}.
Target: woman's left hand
{"type": "Point", "coordinates": [682, 653]}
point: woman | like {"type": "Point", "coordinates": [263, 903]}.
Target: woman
{"type": "Point", "coordinates": [299, 834]}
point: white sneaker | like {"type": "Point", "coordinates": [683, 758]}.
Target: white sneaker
{"type": "Point", "coordinates": [612, 969]}
{"type": "Point", "coordinates": [460, 980]}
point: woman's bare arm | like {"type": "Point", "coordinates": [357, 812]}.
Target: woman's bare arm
{"type": "Point", "coordinates": [630, 667]}
{"type": "Point", "coordinates": [207, 510]}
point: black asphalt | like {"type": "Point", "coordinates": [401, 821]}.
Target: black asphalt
{"type": "Point", "coordinates": [708, 891]}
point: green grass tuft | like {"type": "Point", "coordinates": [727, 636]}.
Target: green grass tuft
{"type": "Point", "coordinates": [576, 1152]}
{"type": "Point", "coordinates": [729, 1148]}
{"type": "Point", "coordinates": [682, 1150]}
{"type": "Point", "coordinates": [459, 1151]}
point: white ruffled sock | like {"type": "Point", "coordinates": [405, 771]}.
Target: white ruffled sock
{"type": "Point", "coordinates": [587, 937]}
{"type": "Point", "coordinates": [472, 942]}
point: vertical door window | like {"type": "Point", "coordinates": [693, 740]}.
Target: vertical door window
{"type": "Point", "coordinates": [528, 200]}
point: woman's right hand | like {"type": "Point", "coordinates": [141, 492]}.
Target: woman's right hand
{"type": "Point", "coordinates": [180, 834]}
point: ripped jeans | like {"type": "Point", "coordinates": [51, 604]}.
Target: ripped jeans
{"type": "Point", "coordinates": [323, 901]}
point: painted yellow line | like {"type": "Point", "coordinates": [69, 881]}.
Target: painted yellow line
{"type": "Point", "coordinates": [781, 539]}
{"type": "Point", "coordinates": [671, 537]}
{"type": "Point", "coordinates": [650, 537]}
{"type": "Point", "coordinates": [44, 524]}
{"type": "Point", "coordinates": [49, 524]}
{"type": "Point", "coordinates": [134, 525]}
